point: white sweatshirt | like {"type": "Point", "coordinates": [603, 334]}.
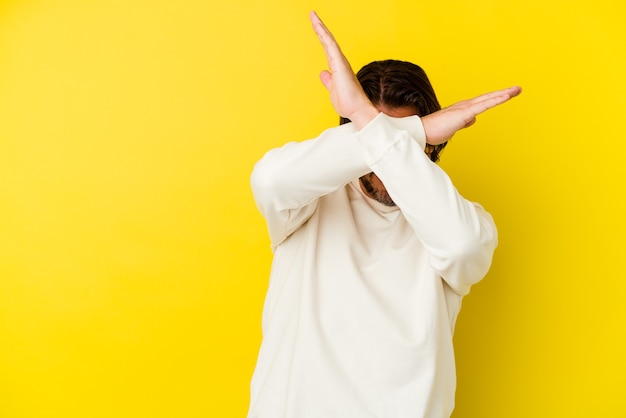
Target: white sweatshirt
{"type": "Point", "coordinates": [362, 299]}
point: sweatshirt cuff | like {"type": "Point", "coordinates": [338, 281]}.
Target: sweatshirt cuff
{"type": "Point", "coordinates": [383, 132]}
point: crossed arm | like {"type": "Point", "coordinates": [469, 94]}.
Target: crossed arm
{"type": "Point", "coordinates": [350, 101]}
{"type": "Point", "coordinates": [459, 235]}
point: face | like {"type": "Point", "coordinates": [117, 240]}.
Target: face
{"type": "Point", "coordinates": [370, 183]}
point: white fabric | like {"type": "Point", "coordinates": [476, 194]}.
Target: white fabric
{"type": "Point", "coordinates": [362, 299]}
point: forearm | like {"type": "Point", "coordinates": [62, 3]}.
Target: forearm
{"type": "Point", "coordinates": [459, 235]}
{"type": "Point", "coordinates": [287, 181]}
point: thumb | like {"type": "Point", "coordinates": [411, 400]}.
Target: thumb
{"type": "Point", "coordinates": [326, 78]}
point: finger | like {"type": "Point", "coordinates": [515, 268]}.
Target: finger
{"type": "Point", "coordinates": [325, 36]}
{"type": "Point", "coordinates": [515, 91]}
{"type": "Point", "coordinates": [334, 56]}
{"type": "Point", "coordinates": [511, 92]}
{"type": "Point", "coordinates": [317, 23]}
{"type": "Point", "coordinates": [488, 103]}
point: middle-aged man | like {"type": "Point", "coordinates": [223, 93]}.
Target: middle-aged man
{"type": "Point", "coordinates": [374, 249]}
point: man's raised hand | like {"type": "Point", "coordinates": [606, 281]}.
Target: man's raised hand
{"type": "Point", "coordinates": [443, 124]}
{"type": "Point", "coordinates": [346, 94]}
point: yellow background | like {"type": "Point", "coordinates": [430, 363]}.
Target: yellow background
{"type": "Point", "coordinates": [133, 263]}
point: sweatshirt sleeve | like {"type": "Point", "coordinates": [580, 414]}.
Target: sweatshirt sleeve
{"type": "Point", "coordinates": [459, 235]}
{"type": "Point", "coordinates": [288, 181]}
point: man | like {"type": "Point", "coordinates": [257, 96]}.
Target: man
{"type": "Point", "coordinates": [373, 250]}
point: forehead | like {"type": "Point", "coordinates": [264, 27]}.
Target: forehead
{"type": "Point", "coordinates": [397, 112]}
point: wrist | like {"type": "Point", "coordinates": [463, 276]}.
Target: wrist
{"type": "Point", "coordinates": [363, 116]}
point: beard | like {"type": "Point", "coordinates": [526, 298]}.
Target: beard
{"type": "Point", "coordinates": [379, 194]}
